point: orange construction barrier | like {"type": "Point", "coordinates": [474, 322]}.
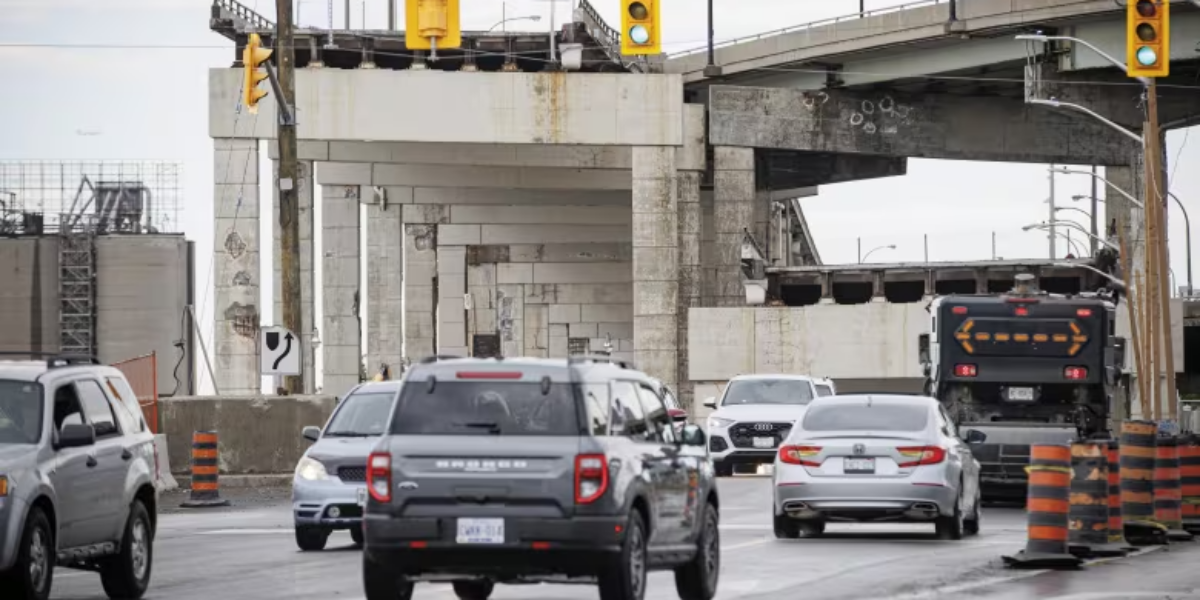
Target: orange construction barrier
{"type": "Point", "coordinates": [1137, 454]}
{"type": "Point", "coordinates": [1167, 492]}
{"type": "Point", "coordinates": [1116, 521]}
{"type": "Point", "coordinates": [206, 489]}
{"type": "Point", "coordinates": [1189, 478]}
{"type": "Point", "coordinates": [1048, 506]}
{"type": "Point", "coordinates": [1088, 513]}
{"type": "Point", "coordinates": [142, 374]}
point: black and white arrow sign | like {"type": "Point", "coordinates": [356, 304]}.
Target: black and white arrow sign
{"type": "Point", "coordinates": [280, 352]}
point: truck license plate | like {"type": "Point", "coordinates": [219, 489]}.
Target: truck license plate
{"type": "Point", "coordinates": [1020, 394]}
{"type": "Point", "coordinates": [858, 466]}
{"type": "Point", "coordinates": [764, 442]}
{"type": "Point", "coordinates": [480, 531]}
{"type": "Point", "coordinates": [362, 496]}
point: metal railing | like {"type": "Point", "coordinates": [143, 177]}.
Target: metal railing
{"type": "Point", "coordinates": [821, 23]}
{"type": "Point", "coordinates": [250, 19]}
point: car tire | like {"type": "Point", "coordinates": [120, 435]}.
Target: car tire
{"type": "Point", "coordinates": [311, 539]}
{"type": "Point", "coordinates": [786, 528]}
{"type": "Point", "coordinates": [473, 590]}
{"type": "Point", "coordinates": [36, 552]}
{"type": "Point", "coordinates": [697, 580]}
{"type": "Point", "coordinates": [625, 578]}
{"type": "Point", "coordinates": [382, 582]}
{"type": "Point", "coordinates": [971, 526]}
{"type": "Point", "coordinates": [127, 575]}
{"type": "Point", "coordinates": [810, 529]}
{"type": "Point", "coordinates": [356, 534]}
{"type": "Point", "coordinates": [951, 528]}
{"type": "Point", "coordinates": [723, 468]}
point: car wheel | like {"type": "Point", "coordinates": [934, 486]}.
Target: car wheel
{"type": "Point", "coordinates": [127, 575]}
{"type": "Point", "coordinates": [951, 528]}
{"type": "Point", "coordinates": [786, 528]}
{"type": "Point", "coordinates": [723, 469]}
{"type": "Point", "coordinates": [697, 580]}
{"type": "Point", "coordinates": [810, 529]}
{"type": "Point", "coordinates": [310, 539]}
{"type": "Point", "coordinates": [382, 582]}
{"type": "Point", "coordinates": [473, 590]}
{"type": "Point", "coordinates": [356, 534]}
{"type": "Point", "coordinates": [33, 573]}
{"type": "Point", "coordinates": [971, 526]}
{"type": "Point", "coordinates": [626, 579]}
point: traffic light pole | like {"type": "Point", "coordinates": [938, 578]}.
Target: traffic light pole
{"type": "Point", "coordinates": [289, 206]}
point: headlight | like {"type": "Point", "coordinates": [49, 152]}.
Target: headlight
{"type": "Point", "coordinates": [311, 469]}
{"type": "Point", "coordinates": [718, 422]}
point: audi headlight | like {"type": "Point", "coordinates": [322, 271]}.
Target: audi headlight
{"type": "Point", "coordinates": [718, 422]}
{"type": "Point", "coordinates": [311, 470]}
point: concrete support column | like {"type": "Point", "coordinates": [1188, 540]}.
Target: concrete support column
{"type": "Point", "coordinates": [236, 267]}
{"type": "Point", "coordinates": [878, 287]}
{"type": "Point", "coordinates": [451, 300]}
{"type": "Point", "coordinates": [656, 263]}
{"type": "Point", "coordinates": [733, 212]}
{"type": "Point", "coordinates": [304, 183]}
{"type": "Point", "coordinates": [690, 273]}
{"type": "Point", "coordinates": [341, 333]}
{"type": "Point", "coordinates": [385, 287]}
{"type": "Point", "coordinates": [420, 270]}
{"type": "Point", "coordinates": [708, 235]}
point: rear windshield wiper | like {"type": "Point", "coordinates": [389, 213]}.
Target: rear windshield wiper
{"type": "Point", "coordinates": [492, 426]}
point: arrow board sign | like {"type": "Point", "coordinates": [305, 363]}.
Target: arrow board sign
{"type": "Point", "coordinates": [280, 352]}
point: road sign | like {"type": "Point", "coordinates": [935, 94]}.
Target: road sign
{"type": "Point", "coordinates": [280, 352]}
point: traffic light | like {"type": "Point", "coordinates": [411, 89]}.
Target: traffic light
{"type": "Point", "coordinates": [432, 24]}
{"type": "Point", "coordinates": [1148, 38]}
{"type": "Point", "coordinates": [640, 34]}
{"type": "Point", "coordinates": [253, 56]}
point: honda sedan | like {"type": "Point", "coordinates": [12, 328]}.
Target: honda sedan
{"type": "Point", "coordinates": [875, 458]}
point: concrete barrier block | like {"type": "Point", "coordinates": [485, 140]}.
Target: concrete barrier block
{"type": "Point", "coordinates": [163, 480]}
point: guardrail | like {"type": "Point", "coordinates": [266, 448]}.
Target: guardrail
{"type": "Point", "coordinates": [813, 24]}
{"type": "Point", "coordinates": [240, 11]}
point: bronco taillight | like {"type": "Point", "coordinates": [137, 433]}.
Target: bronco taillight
{"type": "Point", "coordinates": [379, 476]}
{"type": "Point", "coordinates": [591, 477]}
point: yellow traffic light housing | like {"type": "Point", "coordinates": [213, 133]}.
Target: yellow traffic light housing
{"type": "Point", "coordinates": [432, 25]}
{"type": "Point", "coordinates": [640, 28]}
{"type": "Point", "coordinates": [253, 56]}
{"type": "Point", "coordinates": [1148, 38]}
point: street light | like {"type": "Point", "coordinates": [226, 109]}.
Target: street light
{"type": "Point", "coordinates": [862, 257]}
{"type": "Point", "coordinates": [1124, 193]}
{"type": "Point", "coordinates": [1078, 210]}
{"type": "Point", "coordinates": [1073, 225]}
{"type": "Point", "coordinates": [1071, 265]}
{"type": "Point", "coordinates": [534, 18]}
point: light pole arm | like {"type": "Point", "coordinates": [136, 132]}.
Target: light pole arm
{"type": "Point", "coordinates": [1124, 193]}
{"type": "Point", "coordinates": [1068, 265]}
{"type": "Point", "coordinates": [1077, 227]}
{"type": "Point", "coordinates": [1187, 231]}
{"type": "Point", "coordinates": [1092, 47]}
{"type": "Point", "coordinates": [1083, 109]}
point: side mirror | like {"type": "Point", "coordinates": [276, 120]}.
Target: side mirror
{"type": "Point", "coordinates": [76, 435]}
{"type": "Point", "coordinates": [923, 348]}
{"type": "Point", "coordinates": [710, 402]}
{"type": "Point", "coordinates": [974, 436]}
{"type": "Point", "coordinates": [677, 414]}
{"type": "Point", "coordinates": [692, 435]}
{"type": "Point", "coordinates": [311, 433]}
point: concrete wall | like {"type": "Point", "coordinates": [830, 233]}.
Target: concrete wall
{"type": "Point", "coordinates": [256, 434]}
{"type": "Point", "coordinates": [29, 305]}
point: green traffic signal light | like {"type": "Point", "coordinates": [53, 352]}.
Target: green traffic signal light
{"type": "Point", "coordinates": [1146, 56]}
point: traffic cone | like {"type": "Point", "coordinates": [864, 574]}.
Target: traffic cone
{"type": "Point", "coordinates": [1048, 506]}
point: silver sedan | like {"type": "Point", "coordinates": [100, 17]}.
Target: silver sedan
{"type": "Point", "coordinates": [875, 458]}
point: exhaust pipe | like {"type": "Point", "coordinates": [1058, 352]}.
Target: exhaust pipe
{"type": "Point", "coordinates": [925, 506]}
{"type": "Point", "coordinates": [798, 509]}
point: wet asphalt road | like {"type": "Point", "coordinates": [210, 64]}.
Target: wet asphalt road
{"type": "Point", "coordinates": [248, 552]}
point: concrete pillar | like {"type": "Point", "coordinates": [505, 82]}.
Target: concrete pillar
{"type": "Point", "coordinates": [236, 267]}
{"type": "Point", "coordinates": [878, 287]}
{"type": "Point", "coordinates": [420, 269]}
{"type": "Point", "coordinates": [451, 302]}
{"type": "Point", "coordinates": [690, 277]}
{"type": "Point", "coordinates": [708, 235]}
{"type": "Point", "coordinates": [341, 333]}
{"type": "Point", "coordinates": [733, 212]}
{"type": "Point", "coordinates": [385, 287]}
{"type": "Point", "coordinates": [656, 263]}
{"type": "Point", "coordinates": [307, 323]}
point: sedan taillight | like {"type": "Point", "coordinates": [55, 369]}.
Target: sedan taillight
{"type": "Point", "coordinates": [800, 455]}
{"type": "Point", "coordinates": [922, 455]}
{"type": "Point", "coordinates": [379, 476]}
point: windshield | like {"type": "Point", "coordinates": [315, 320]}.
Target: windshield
{"type": "Point", "coordinates": [20, 412]}
{"type": "Point", "coordinates": [768, 391]}
{"type": "Point", "coordinates": [487, 408]}
{"type": "Point", "coordinates": [362, 414]}
{"type": "Point", "coordinates": [876, 416]}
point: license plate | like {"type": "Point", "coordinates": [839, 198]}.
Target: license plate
{"type": "Point", "coordinates": [362, 496]}
{"type": "Point", "coordinates": [480, 531]}
{"type": "Point", "coordinates": [761, 442]}
{"type": "Point", "coordinates": [1020, 394]}
{"type": "Point", "coordinates": [859, 465]}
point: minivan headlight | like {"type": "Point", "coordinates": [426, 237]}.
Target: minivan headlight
{"type": "Point", "coordinates": [311, 469]}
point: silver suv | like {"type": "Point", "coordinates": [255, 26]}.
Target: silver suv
{"type": "Point", "coordinates": [537, 470]}
{"type": "Point", "coordinates": [77, 471]}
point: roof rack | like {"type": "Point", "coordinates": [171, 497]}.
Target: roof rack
{"type": "Point", "coordinates": [582, 358]}
{"type": "Point", "coordinates": [53, 359]}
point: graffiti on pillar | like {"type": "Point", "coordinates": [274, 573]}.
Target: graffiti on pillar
{"type": "Point", "coordinates": [504, 315]}
{"type": "Point", "coordinates": [814, 99]}
{"type": "Point", "coordinates": [244, 319]}
{"type": "Point", "coordinates": [352, 192]}
{"type": "Point", "coordinates": [241, 279]}
{"type": "Point", "coordinates": [235, 246]}
{"type": "Point", "coordinates": [884, 116]}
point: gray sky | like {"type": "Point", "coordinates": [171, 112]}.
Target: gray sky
{"type": "Point", "coordinates": [150, 104]}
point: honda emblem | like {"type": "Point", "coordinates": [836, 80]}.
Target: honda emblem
{"type": "Point", "coordinates": [860, 449]}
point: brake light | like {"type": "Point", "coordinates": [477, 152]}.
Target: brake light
{"type": "Point", "coordinates": [379, 476]}
{"type": "Point", "coordinates": [489, 374]}
{"type": "Point", "coordinates": [591, 477]}
{"type": "Point", "coordinates": [1021, 311]}
{"type": "Point", "coordinates": [959, 310]}
{"type": "Point", "coordinates": [1084, 312]}
{"type": "Point", "coordinates": [922, 455]}
{"type": "Point", "coordinates": [799, 455]}
{"type": "Point", "coordinates": [1075, 372]}
{"type": "Point", "coordinates": [965, 371]}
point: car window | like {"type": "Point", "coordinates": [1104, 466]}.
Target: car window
{"type": "Point", "coordinates": [595, 398]}
{"type": "Point", "coordinates": [129, 411]}
{"type": "Point", "coordinates": [628, 417]}
{"type": "Point", "coordinates": [486, 408]}
{"type": "Point", "coordinates": [768, 391]}
{"type": "Point", "coordinates": [659, 422]}
{"type": "Point", "coordinates": [945, 423]}
{"type": "Point", "coordinates": [67, 410]}
{"type": "Point", "coordinates": [669, 399]}
{"type": "Point", "coordinates": [96, 407]}
{"type": "Point", "coordinates": [20, 412]}
{"type": "Point", "coordinates": [823, 390]}
{"type": "Point", "coordinates": [877, 416]}
{"type": "Point", "coordinates": [361, 414]}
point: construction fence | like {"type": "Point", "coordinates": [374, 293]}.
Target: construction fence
{"type": "Point", "coordinates": [142, 373]}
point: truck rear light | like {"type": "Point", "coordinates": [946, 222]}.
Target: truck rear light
{"type": "Point", "coordinates": [1083, 312]}
{"type": "Point", "coordinates": [591, 477]}
{"type": "Point", "coordinates": [379, 476]}
{"type": "Point", "coordinates": [489, 374]}
{"type": "Point", "coordinates": [922, 455]}
{"type": "Point", "coordinates": [1075, 373]}
{"type": "Point", "coordinates": [959, 310]}
{"type": "Point", "coordinates": [1021, 311]}
{"type": "Point", "coordinates": [800, 455]}
{"type": "Point", "coordinates": [965, 371]}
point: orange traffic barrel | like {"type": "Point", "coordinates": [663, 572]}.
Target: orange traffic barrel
{"type": "Point", "coordinates": [1189, 483]}
{"type": "Point", "coordinates": [1116, 523]}
{"type": "Point", "coordinates": [206, 488]}
{"type": "Point", "coordinates": [1046, 546]}
{"type": "Point", "coordinates": [1167, 492]}
{"type": "Point", "coordinates": [1088, 512]}
{"type": "Point", "coordinates": [1138, 440]}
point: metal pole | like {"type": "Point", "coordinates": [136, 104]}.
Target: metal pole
{"type": "Point", "coordinates": [1187, 232]}
{"type": "Point", "coordinates": [860, 251]}
{"type": "Point", "coordinates": [711, 53]}
{"type": "Point", "coordinates": [553, 42]}
{"type": "Point", "coordinates": [1053, 230]}
{"type": "Point", "coordinates": [926, 247]}
{"type": "Point", "coordinates": [391, 15]}
{"type": "Point", "coordinates": [993, 245]}
{"type": "Point", "coordinates": [347, 15]}
{"type": "Point", "coordinates": [289, 206]}
{"type": "Point", "coordinates": [1095, 225]}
